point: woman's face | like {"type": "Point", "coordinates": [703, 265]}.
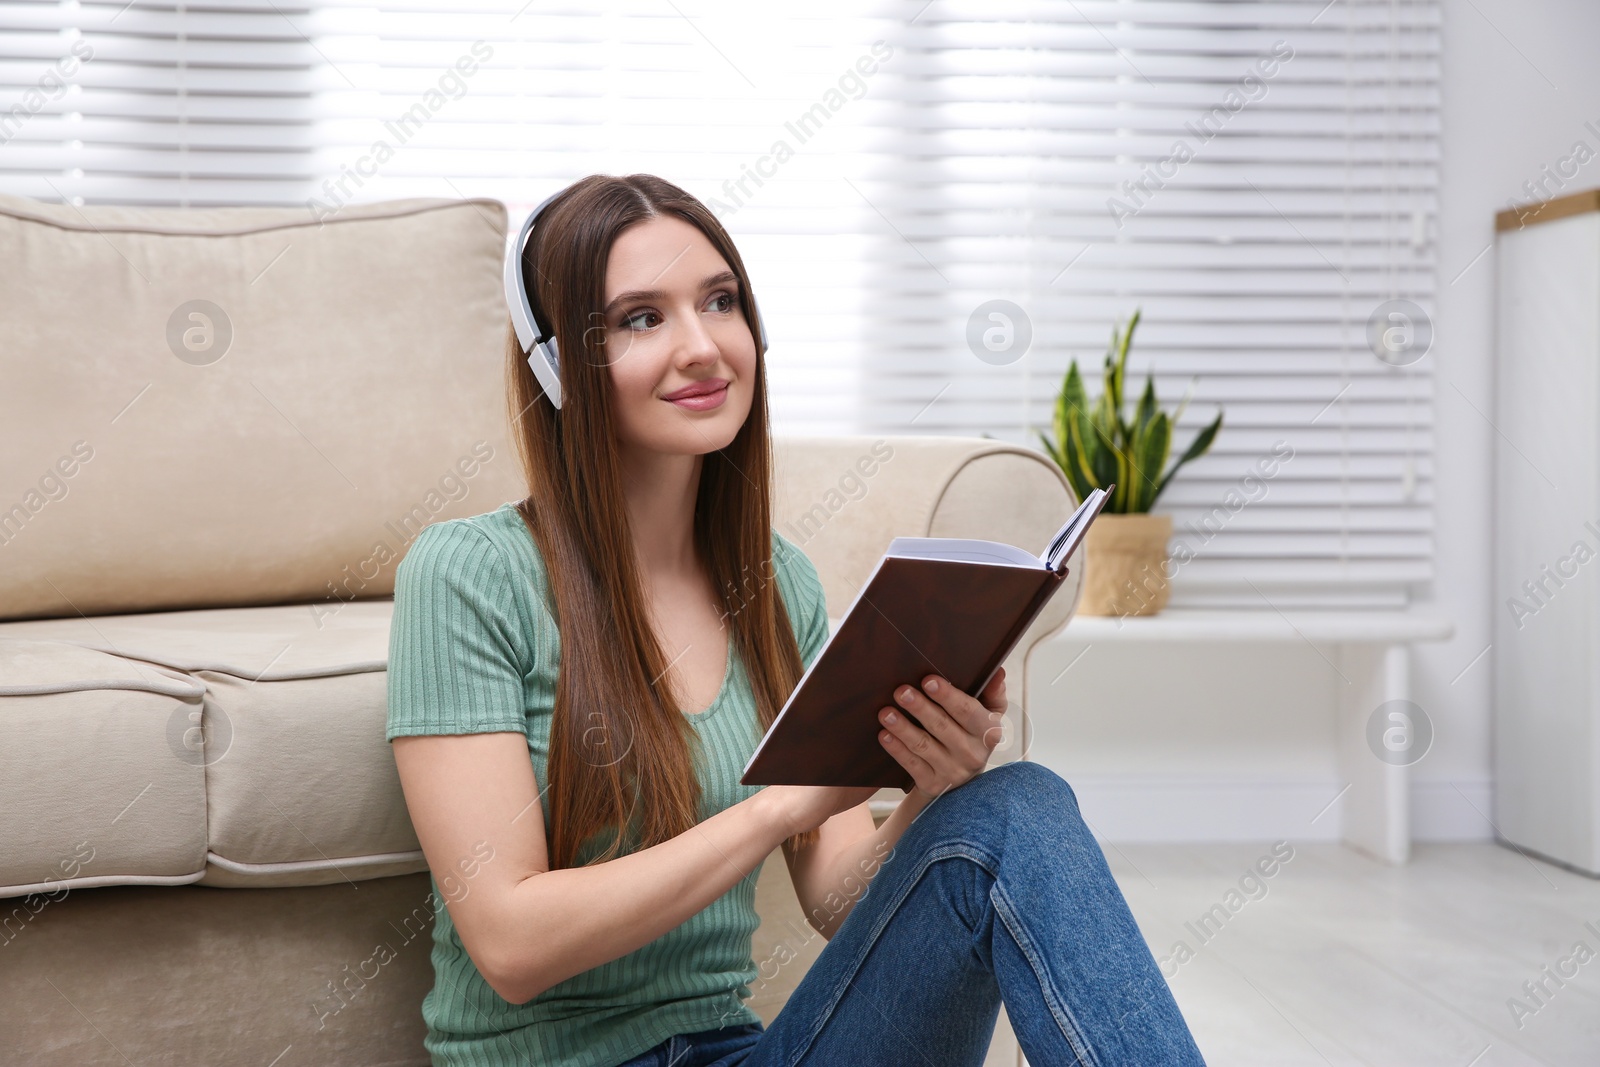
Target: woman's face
{"type": "Point", "coordinates": [674, 319]}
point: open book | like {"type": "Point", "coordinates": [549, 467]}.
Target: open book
{"type": "Point", "coordinates": [950, 606]}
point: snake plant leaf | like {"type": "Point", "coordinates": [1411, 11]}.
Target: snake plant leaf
{"type": "Point", "coordinates": [1147, 407]}
{"type": "Point", "coordinates": [1111, 391]}
{"type": "Point", "coordinates": [1108, 430]}
{"type": "Point", "coordinates": [1183, 405]}
{"type": "Point", "coordinates": [1082, 440]}
{"type": "Point", "coordinates": [1129, 469]}
{"type": "Point", "coordinates": [1049, 446]}
{"type": "Point", "coordinates": [1072, 402]}
{"type": "Point", "coordinates": [1100, 446]}
{"type": "Point", "coordinates": [1151, 453]}
{"type": "Point", "coordinates": [1127, 342]}
{"type": "Point", "coordinates": [1078, 454]}
{"type": "Point", "coordinates": [1197, 448]}
{"type": "Point", "coordinates": [1122, 355]}
{"type": "Point", "coordinates": [1096, 446]}
{"type": "Point", "coordinates": [1058, 452]}
{"type": "Point", "coordinates": [1110, 398]}
{"type": "Point", "coordinates": [1059, 419]}
{"type": "Point", "coordinates": [1118, 504]}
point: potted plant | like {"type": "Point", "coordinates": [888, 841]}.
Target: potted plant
{"type": "Point", "coordinates": [1095, 445]}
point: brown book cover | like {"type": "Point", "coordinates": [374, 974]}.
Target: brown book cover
{"type": "Point", "coordinates": [954, 607]}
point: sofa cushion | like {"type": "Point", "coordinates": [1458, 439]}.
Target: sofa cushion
{"type": "Point", "coordinates": [300, 786]}
{"type": "Point", "coordinates": [101, 779]}
{"type": "Point", "coordinates": [238, 406]}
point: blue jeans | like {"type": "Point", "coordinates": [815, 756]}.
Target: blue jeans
{"type": "Point", "coordinates": [995, 893]}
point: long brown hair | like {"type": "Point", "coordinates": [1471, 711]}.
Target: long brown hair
{"type": "Point", "coordinates": [621, 751]}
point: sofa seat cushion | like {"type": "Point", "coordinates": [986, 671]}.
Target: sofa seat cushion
{"type": "Point", "coordinates": [94, 782]}
{"type": "Point", "coordinates": [299, 785]}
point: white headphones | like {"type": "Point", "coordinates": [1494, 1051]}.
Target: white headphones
{"type": "Point", "coordinates": [537, 340]}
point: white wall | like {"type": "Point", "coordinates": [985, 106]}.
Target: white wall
{"type": "Point", "coordinates": [1519, 83]}
{"type": "Point", "coordinates": [1231, 743]}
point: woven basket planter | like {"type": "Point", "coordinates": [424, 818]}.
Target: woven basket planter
{"type": "Point", "coordinates": [1126, 572]}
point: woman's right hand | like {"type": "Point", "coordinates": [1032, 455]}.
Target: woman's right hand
{"type": "Point", "coordinates": [808, 806]}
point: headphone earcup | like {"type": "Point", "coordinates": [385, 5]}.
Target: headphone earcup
{"type": "Point", "coordinates": [545, 362]}
{"type": "Point", "coordinates": [761, 324]}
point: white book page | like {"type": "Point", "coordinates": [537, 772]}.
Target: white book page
{"type": "Point", "coordinates": [963, 549]}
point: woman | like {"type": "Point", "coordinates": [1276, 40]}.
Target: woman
{"type": "Point", "coordinates": [684, 623]}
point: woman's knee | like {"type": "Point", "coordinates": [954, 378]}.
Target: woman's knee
{"type": "Point", "coordinates": [1023, 789]}
{"type": "Point", "coordinates": [1029, 781]}
{"type": "Point", "coordinates": [1019, 805]}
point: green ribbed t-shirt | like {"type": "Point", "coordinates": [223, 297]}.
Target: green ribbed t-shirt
{"type": "Point", "coordinates": [473, 648]}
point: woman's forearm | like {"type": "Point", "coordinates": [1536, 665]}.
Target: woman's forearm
{"type": "Point", "coordinates": [853, 867]}
{"type": "Point", "coordinates": [561, 923]}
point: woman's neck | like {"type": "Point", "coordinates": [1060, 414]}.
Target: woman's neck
{"type": "Point", "coordinates": [660, 491]}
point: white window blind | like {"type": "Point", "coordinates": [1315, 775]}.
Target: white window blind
{"type": "Point", "coordinates": [157, 104]}
{"type": "Point", "coordinates": [1257, 177]}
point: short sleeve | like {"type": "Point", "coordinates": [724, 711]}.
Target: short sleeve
{"type": "Point", "coordinates": [454, 640]}
{"type": "Point", "coordinates": [803, 597]}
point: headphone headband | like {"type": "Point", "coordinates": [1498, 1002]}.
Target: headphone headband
{"type": "Point", "coordinates": [537, 340]}
{"type": "Point", "coordinates": [538, 343]}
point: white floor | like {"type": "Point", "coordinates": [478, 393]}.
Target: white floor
{"type": "Point", "coordinates": [1338, 959]}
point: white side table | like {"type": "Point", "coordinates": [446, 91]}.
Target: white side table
{"type": "Point", "coordinates": [1370, 650]}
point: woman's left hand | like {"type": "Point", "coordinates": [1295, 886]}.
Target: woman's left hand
{"type": "Point", "coordinates": [957, 734]}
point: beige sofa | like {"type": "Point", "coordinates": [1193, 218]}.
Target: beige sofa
{"type": "Point", "coordinates": [221, 429]}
